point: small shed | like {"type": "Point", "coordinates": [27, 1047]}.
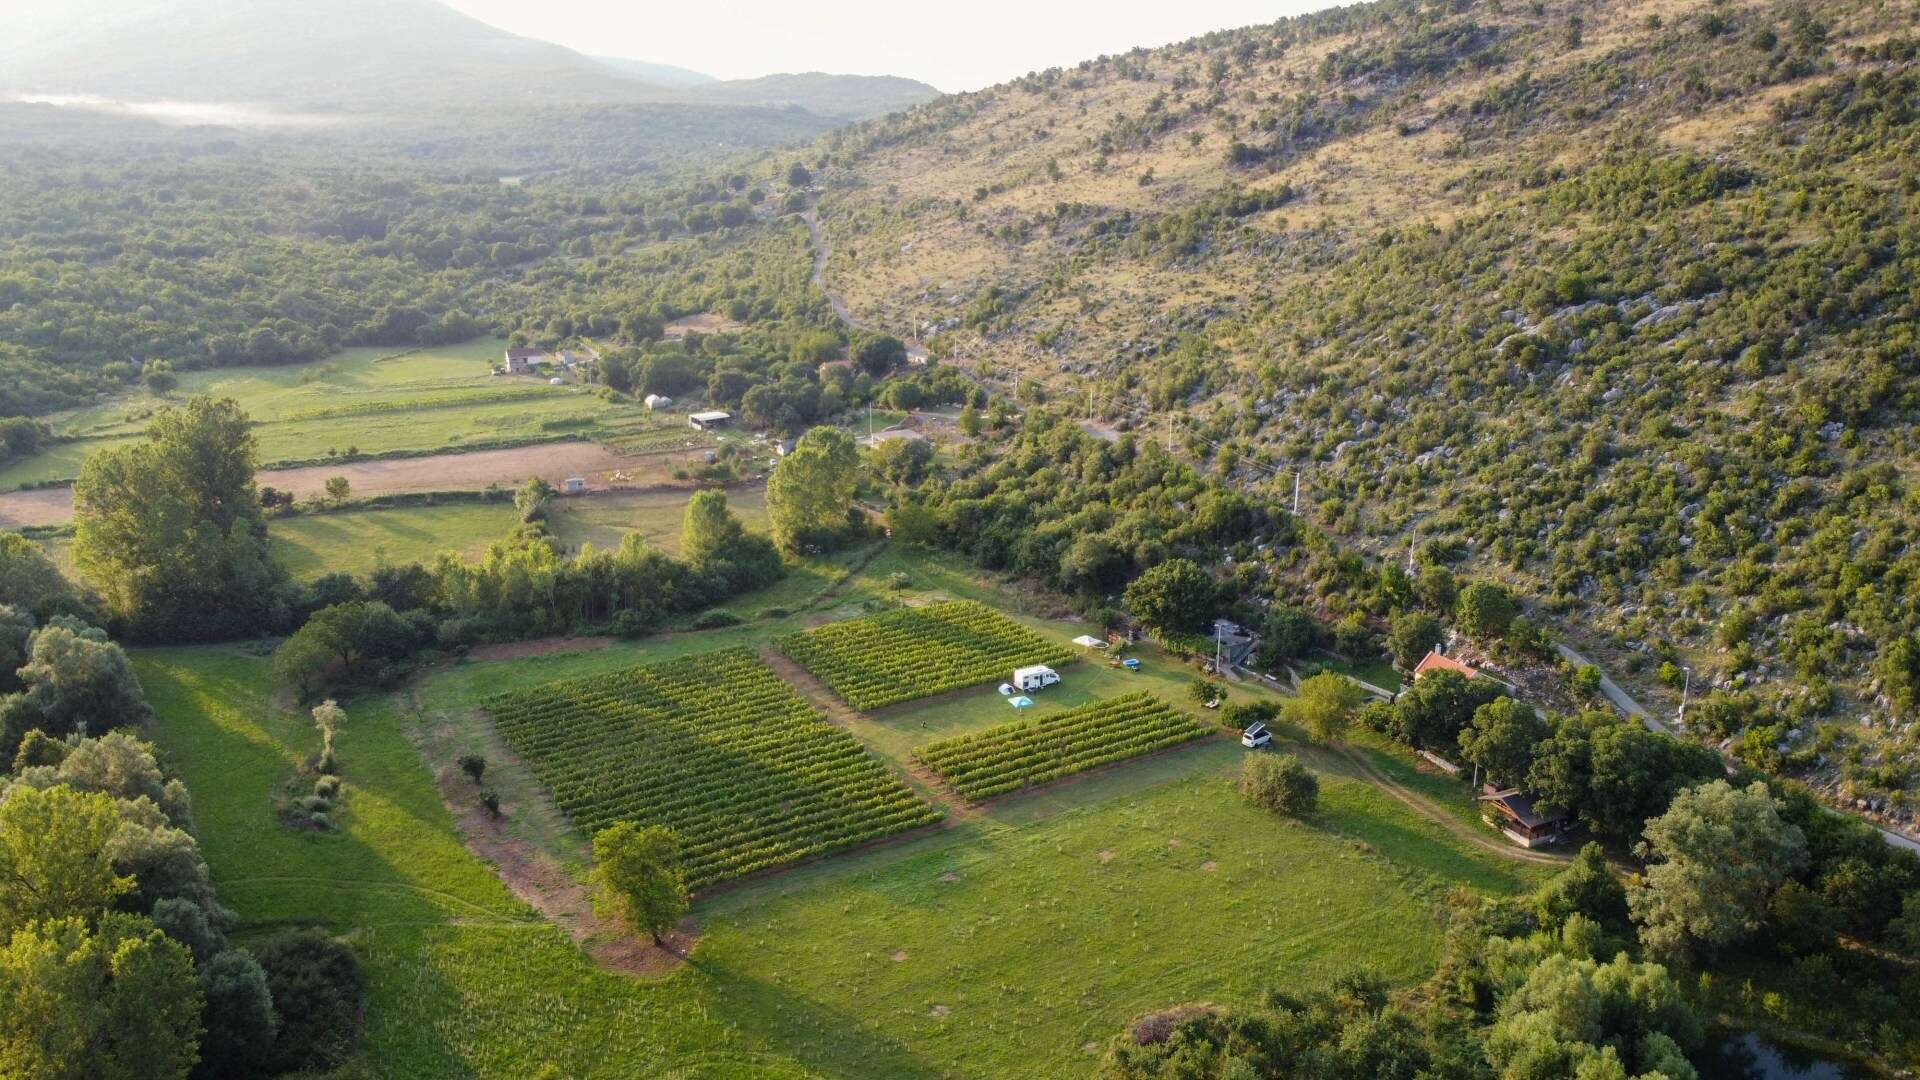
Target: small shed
{"type": "Point", "coordinates": [713, 418]}
{"type": "Point", "coordinates": [574, 485]}
{"type": "Point", "coordinates": [658, 401]}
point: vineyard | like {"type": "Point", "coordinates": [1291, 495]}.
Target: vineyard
{"type": "Point", "coordinates": [913, 653]}
{"type": "Point", "coordinates": [715, 746]}
{"type": "Point", "coordinates": [1026, 752]}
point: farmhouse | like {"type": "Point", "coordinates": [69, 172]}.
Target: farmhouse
{"type": "Point", "coordinates": [1436, 661]}
{"type": "Point", "coordinates": [707, 421]}
{"type": "Point", "coordinates": [1515, 815]}
{"type": "Point", "coordinates": [521, 361]}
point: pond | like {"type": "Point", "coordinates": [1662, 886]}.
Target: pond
{"type": "Point", "coordinates": [1750, 1057]}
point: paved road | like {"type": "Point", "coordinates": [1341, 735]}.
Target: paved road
{"type": "Point", "coordinates": [1626, 704]}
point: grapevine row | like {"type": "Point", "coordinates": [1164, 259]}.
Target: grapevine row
{"type": "Point", "coordinates": [1027, 752]}
{"type": "Point", "coordinates": [917, 652]}
{"type": "Point", "coordinates": [715, 746]}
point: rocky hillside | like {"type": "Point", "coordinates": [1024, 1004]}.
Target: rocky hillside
{"type": "Point", "coordinates": [1615, 301]}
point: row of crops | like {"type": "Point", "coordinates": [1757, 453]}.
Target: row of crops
{"type": "Point", "coordinates": [917, 652]}
{"type": "Point", "coordinates": [1026, 752]}
{"type": "Point", "coordinates": [717, 747]}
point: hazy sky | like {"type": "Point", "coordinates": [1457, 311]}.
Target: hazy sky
{"type": "Point", "coordinates": [954, 46]}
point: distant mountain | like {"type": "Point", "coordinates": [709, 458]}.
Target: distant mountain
{"type": "Point", "coordinates": [841, 96]}
{"type": "Point", "coordinates": [657, 74]}
{"type": "Point", "coordinates": [387, 56]}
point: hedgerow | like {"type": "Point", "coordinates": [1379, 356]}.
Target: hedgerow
{"type": "Point", "coordinates": [1026, 752]}
{"type": "Point", "coordinates": [715, 746]}
{"type": "Point", "coordinates": [913, 653]}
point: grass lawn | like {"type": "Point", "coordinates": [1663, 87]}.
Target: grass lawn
{"type": "Point", "coordinates": [656, 515]}
{"type": "Point", "coordinates": [356, 541]}
{"type": "Point", "coordinates": [1001, 946]}
{"type": "Point", "coordinates": [370, 400]}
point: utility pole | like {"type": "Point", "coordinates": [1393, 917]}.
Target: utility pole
{"type": "Point", "coordinates": [1296, 491]}
{"type": "Point", "coordinates": [1169, 433]}
{"type": "Point", "coordinates": [1216, 646]}
{"type": "Point", "coordinates": [1685, 689]}
{"type": "Point", "coordinates": [1412, 542]}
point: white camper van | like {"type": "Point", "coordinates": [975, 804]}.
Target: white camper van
{"type": "Point", "coordinates": [1034, 678]}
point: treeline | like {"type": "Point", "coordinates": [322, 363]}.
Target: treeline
{"type": "Point", "coordinates": [115, 959]}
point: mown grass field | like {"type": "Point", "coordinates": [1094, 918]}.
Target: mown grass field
{"type": "Point", "coordinates": [602, 520]}
{"type": "Point", "coordinates": [1004, 945]}
{"type": "Point", "coordinates": [366, 400]}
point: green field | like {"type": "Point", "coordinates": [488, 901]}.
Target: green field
{"type": "Point", "coordinates": [602, 520]}
{"type": "Point", "coordinates": [1002, 945]}
{"type": "Point", "coordinates": [366, 400]}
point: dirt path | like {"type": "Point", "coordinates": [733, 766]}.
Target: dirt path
{"type": "Point", "coordinates": [916, 352]}
{"type": "Point", "coordinates": [547, 646]}
{"type": "Point", "coordinates": [1428, 808]}
{"type": "Point", "coordinates": [439, 472]}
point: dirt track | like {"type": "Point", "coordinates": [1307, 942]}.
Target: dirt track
{"type": "Point", "coordinates": [440, 472]}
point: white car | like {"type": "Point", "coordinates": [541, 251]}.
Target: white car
{"type": "Point", "coordinates": [1256, 737]}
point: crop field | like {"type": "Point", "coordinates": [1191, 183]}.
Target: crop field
{"type": "Point", "coordinates": [917, 652]}
{"type": "Point", "coordinates": [715, 746]}
{"type": "Point", "coordinates": [1027, 752]}
{"type": "Point", "coordinates": [365, 400]}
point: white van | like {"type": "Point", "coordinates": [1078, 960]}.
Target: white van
{"type": "Point", "coordinates": [1036, 677]}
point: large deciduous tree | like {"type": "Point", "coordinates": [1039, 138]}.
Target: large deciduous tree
{"type": "Point", "coordinates": [810, 493]}
{"type": "Point", "coordinates": [169, 530]}
{"type": "Point", "coordinates": [112, 1001]}
{"type": "Point", "coordinates": [1717, 856]}
{"type": "Point", "coordinates": [1485, 610]}
{"type": "Point", "coordinates": [638, 878]}
{"type": "Point", "coordinates": [1175, 595]}
{"type": "Point", "coordinates": [1325, 705]}
{"type": "Point", "coordinates": [1412, 635]}
{"type": "Point", "coordinates": [1438, 706]}
{"type": "Point", "coordinates": [56, 858]}
{"type": "Point", "coordinates": [713, 542]}
{"type": "Point", "coordinates": [1501, 738]}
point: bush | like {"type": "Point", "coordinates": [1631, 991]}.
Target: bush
{"type": "Point", "coordinates": [1278, 782]}
{"type": "Point", "coordinates": [636, 622]}
{"type": "Point", "coordinates": [316, 987]}
{"type": "Point", "coordinates": [715, 620]}
{"type": "Point", "coordinates": [239, 1018]}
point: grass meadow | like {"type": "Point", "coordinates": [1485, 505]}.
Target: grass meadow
{"type": "Point", "coordinates": [366, 400]}
{"type": "Point", "coordinates": [1012, 942]}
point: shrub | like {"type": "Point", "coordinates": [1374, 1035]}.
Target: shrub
{"type": "Point", "coordinates": [316, 987]}
{"type": "Point", "coordinates": [241, 1026]}
{"type": "Point", "coordinates": [716, 620]}
{"type": "Point", "coordinates": [474, 766]}
{"type": "Point", "coordinates": [1278, 782]}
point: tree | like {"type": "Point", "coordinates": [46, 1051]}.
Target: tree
{"type": "Point", "coordinates": [1412, 635]}
{"type": "Point", "coordinates": [1484, 611]}
{"type": "Point", "coordinates": [316, 989]}
{"type": "Point", "coordinates": [533, 498]}
{"type": "Point", "coordinates": [474, 766]}
{"type": "Point", "coordinates": [1288, 634]}
{"type": "Point", "coordinates": [1500, 739]}
{"type": "Point", "coordinates": [714, 543]}
{"type": "Point", "coordinates": [1716, 857]}
{"type": "Point", "coordinates": [1615, 773]}
{"type": "Point", "coordinates": [1899, 669]}
{"type": "Point", "coordinates": [240, 1022]}
{"type": "Point", "coordinates": [170, 530]}
{"type": "Point", "coordinates": [1093, 563]}
{"type": "Point", "coordinates": [1438, 706]}
{"type": "Point", "coordinates": [115, 1001]}
{"type": "Point", "coordinates": [338, 488]}
{"type": "Point", "coordinates": [339, 643]}
{"type": "Point", "coordinates": [970, 421]}
{"type": "Point", "coordinates": [810, 493]}
{"type": "Point", "coordinates": [1436, 588]}
{"type": "Point", "coordinates": [1571, 1014]}
{"type": "Point", "coordinates": [638, 878]}
{"type": "Point", "coordinates": [1325, 705]}
{"type": "Point", "coordinates": [1586, 887]}
{"type": "Point", "coordinates": [1175, 595]}
{"type": "Point", "coordinates": [1278, 782]}
{"type": "Point", "coordinates": [798, 176]}
{"type": "Point", "coordinates": [1202, 691]}
{"type": "Point", "coordinates": [76, 681]}
{"type": "Point", "coordinates": [55, 859]}
{"type": "Point", "coordinates": [903, 461]}
{"type": "Point", "coordinates": [32, 584]}
{"type": "Point", "coordinates": [327, 718]}
{"type": "Point", "coordinates": [877, 354]}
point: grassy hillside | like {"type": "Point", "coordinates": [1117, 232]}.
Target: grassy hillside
{"type": "Point", "coordinates": [1613, 301]}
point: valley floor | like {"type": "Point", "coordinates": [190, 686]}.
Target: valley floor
{"type": "Point", "coordinates": [1012, 942]}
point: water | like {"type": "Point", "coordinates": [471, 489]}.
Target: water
{"type": "Point", "coordinates": [186, 113]}
{"type": "Point", "coordinates": [1750, 1057]}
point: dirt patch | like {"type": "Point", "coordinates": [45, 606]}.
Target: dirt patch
{"type": "Point", "coordinates": [1209, 866]}
{"type": "Point", "coordinates": [703, 323]}
{"type": "Point", "coordinates": [899, 956]}
{"type": "Point", "coordinates": [1106, 856]}
{"type": "Point", "coordinates": [939, 1010]}
{"type": "Point", "coordinates": [1174, 841]}
{"type": "Point", "coordinates": [473, 471]}
{"type": "Point", "coordinates": [517, 650]}
{"type": "Point", "coordinates": [949, 877]}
